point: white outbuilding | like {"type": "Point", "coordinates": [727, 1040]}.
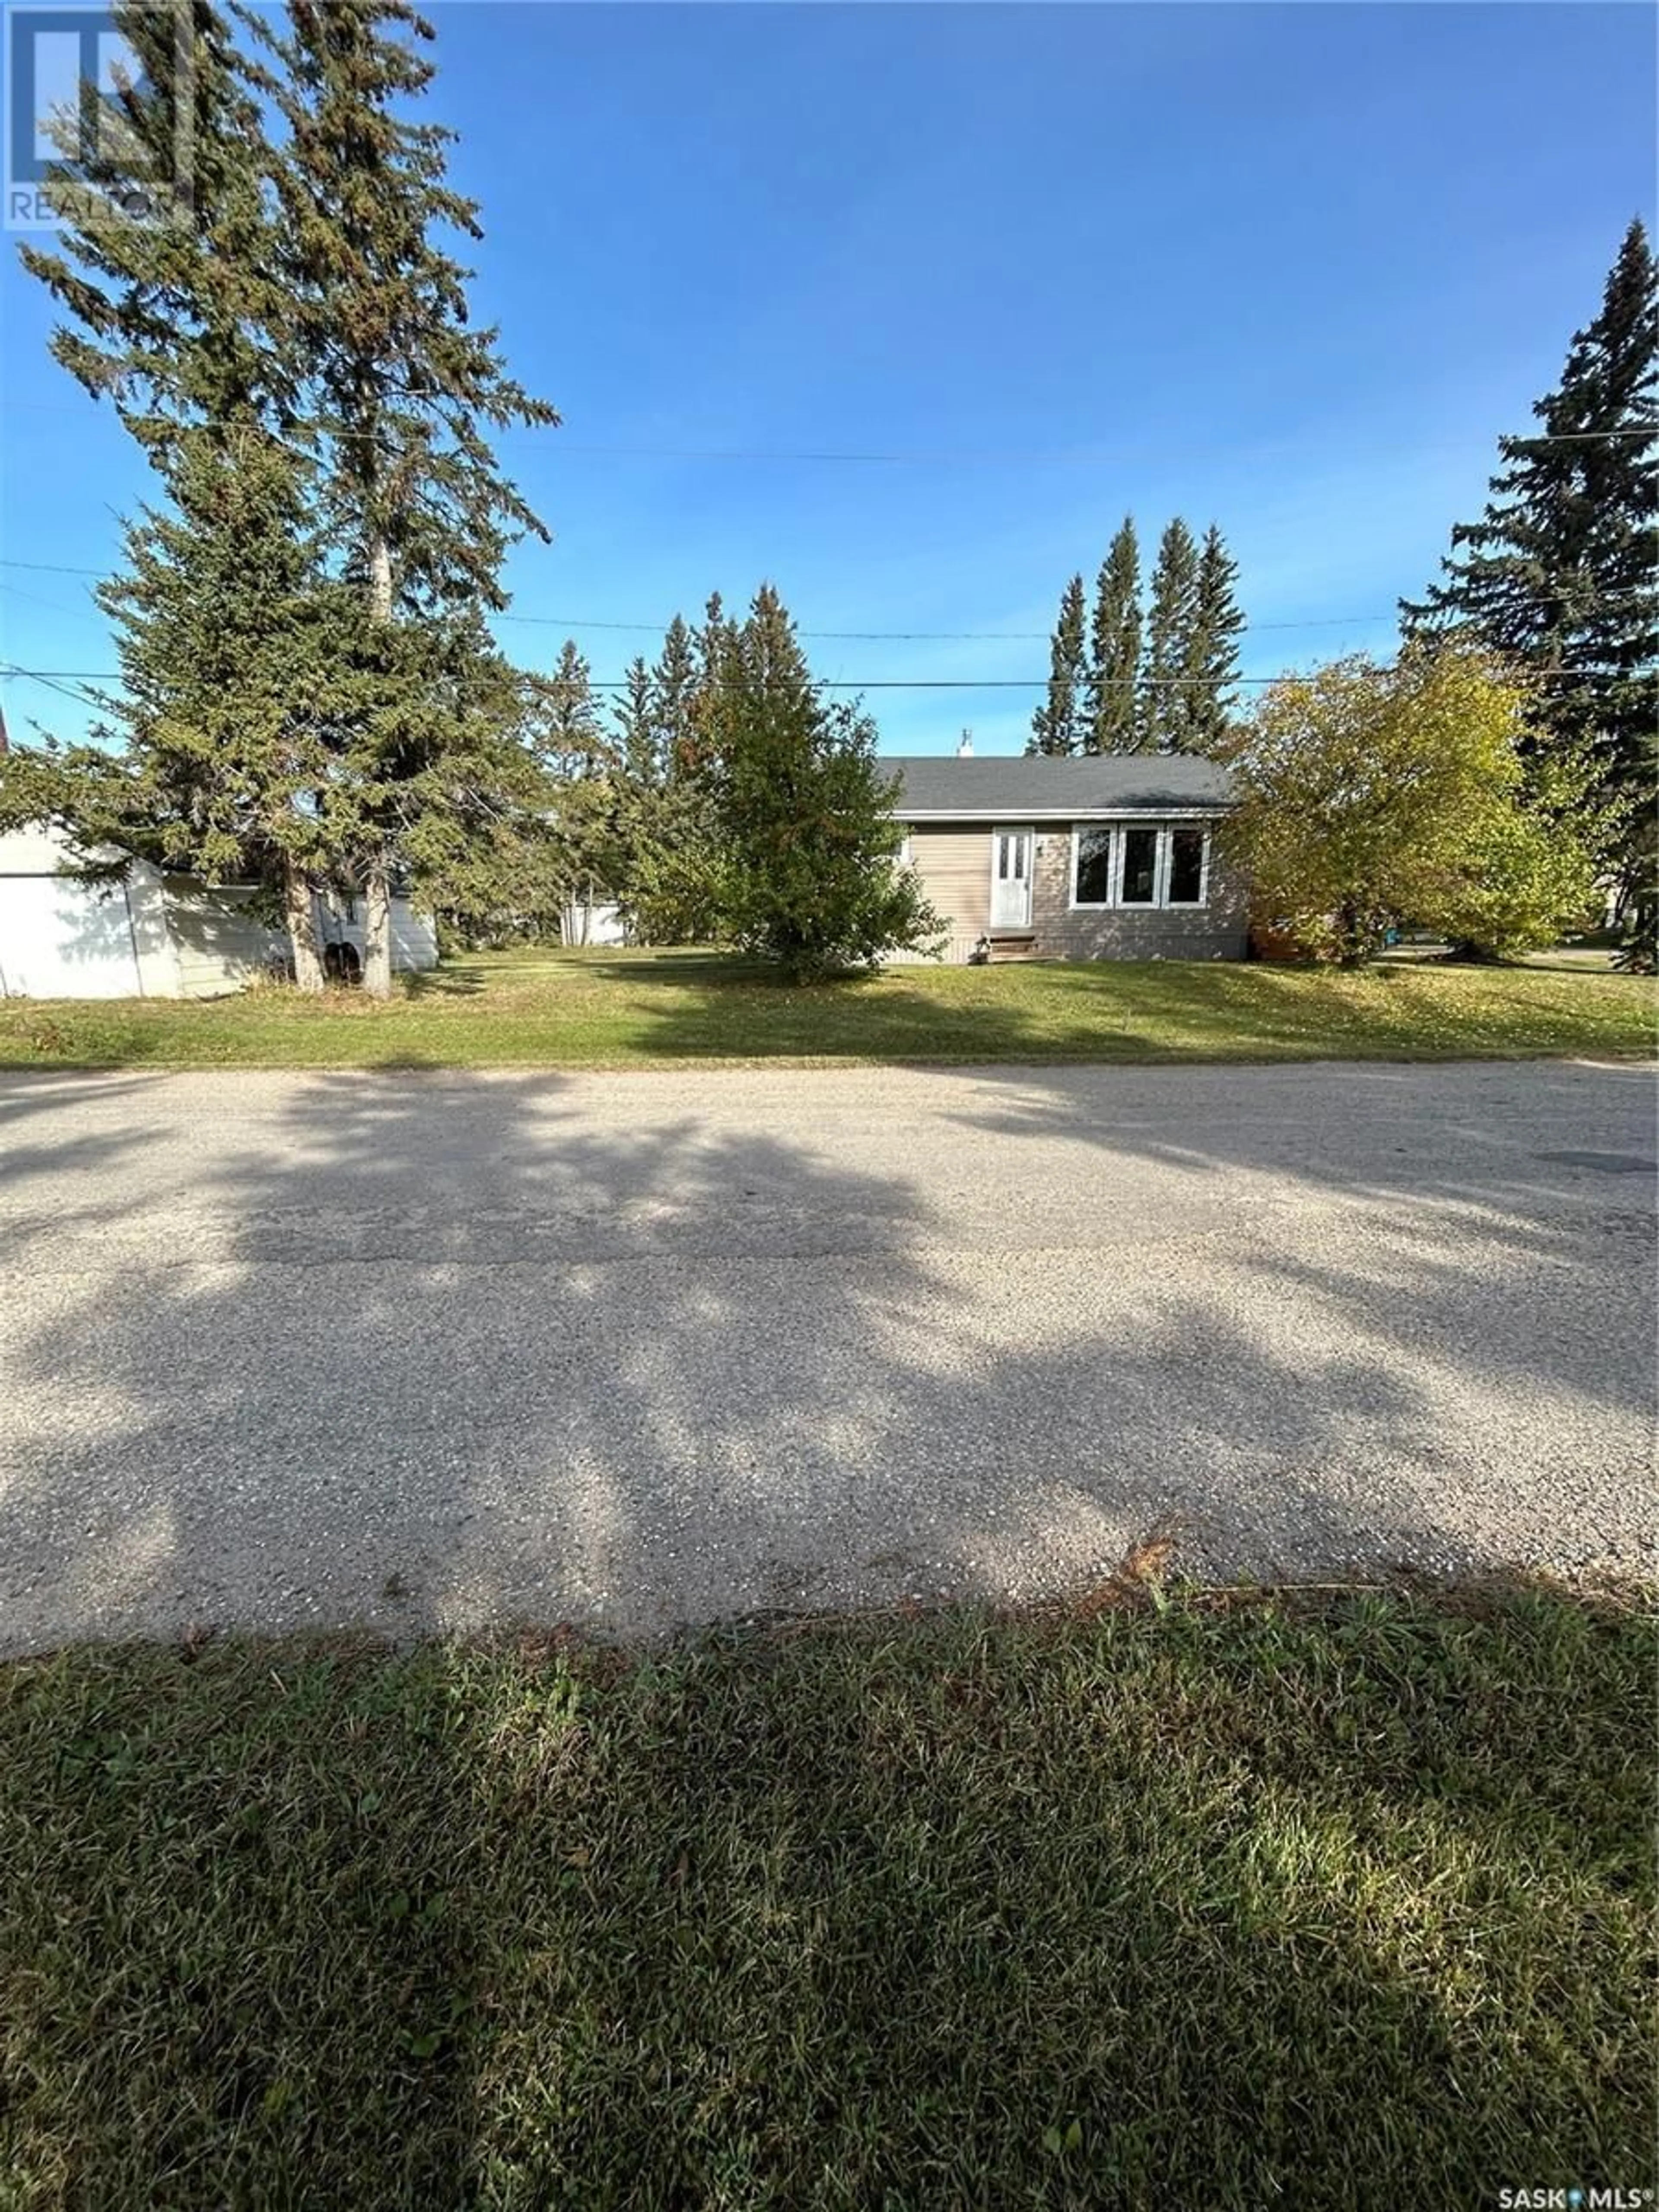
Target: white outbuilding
{"type": "Point", "coordinates": [155, 936]}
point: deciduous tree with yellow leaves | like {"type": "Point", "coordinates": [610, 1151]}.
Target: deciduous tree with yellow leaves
{"type": "Point", "coordinates": [1375, 795]}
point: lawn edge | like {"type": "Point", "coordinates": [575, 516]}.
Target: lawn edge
{"type": "Point", "coordinates": [667, 1064]}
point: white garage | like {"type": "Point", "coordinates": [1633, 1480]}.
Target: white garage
{"type": "Point", "coordinates": [154, 936]}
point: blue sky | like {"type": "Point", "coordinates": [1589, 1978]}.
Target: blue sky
{"type": "Point", "coordinates": [1292, 268]}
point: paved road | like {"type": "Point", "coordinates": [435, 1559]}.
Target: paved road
{"type": "Point", "coordinates": [299, 1349]}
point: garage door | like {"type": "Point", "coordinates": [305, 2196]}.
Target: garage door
{"type": "Point", "coordinates": [60, 939]}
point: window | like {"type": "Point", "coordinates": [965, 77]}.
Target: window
{"type": "Point", "coordinates": [1093, 886]}
{"type": "Point", "coordinates": [1138, 883]}
{"type": "Point", "coordinates": [1141, 864]}
{"type": "Point", "coordinates": [1186, 879]}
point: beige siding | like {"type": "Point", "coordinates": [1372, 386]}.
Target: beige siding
{"type": "Point", "coordinates": [953, 860]}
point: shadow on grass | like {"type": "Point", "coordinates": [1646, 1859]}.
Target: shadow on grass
{"type": "Point", "coordinates": [455, 979]}
{"type": "Point", "coordinates": [695, 1006]}
{"type": "Point", "coordinates": [1335, 1900]}
{"type": "Point", "coordinates": [602, 1007]}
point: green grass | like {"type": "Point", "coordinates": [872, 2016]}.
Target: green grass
{"type": "Point", "coordinates": [549, 1009]}
{"type": "Point", "coordinates": [1338, 1901]}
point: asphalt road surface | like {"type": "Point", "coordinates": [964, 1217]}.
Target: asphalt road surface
{"type": "Point", "coordinates": [288, 1351]}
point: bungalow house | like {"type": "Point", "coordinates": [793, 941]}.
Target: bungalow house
{"type": "Point", "coordinates": [155, 936]}
{"type": "Point", "coordinates": [1108, 857]}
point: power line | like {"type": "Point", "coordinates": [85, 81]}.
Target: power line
{"type": "Point", "coordinates": [50, 680]}
{"type": "Point", "coordinates": [52, 606]}
{"type": "Point", "coordinates": [52, 568]}
{"type": "Point", "coordinates": [827, 683]}
{"type": "Point", "coordinates": [845, 636]}
{"type": "Point", "coordinates": [849, 636]}
{"type": "Point", "coordinates": [925, 455]}
{"type": "Point", "coordinates": [925, 636]}
{"type": "Point", "coordinates": [61, 676]}
{"type": "Point", "coordinates": [568, 623]}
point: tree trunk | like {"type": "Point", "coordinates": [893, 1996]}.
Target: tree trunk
{"type": "Point", "coordinates": [379, 579]}
{"type": "Point", "coordinates": [377, 895]}
{"type": "Point", "coordinates": [377, 932]}
{"type": "Point", "coordinates": [299, 911]}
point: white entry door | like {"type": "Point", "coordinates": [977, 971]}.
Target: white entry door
{"type": "Point", "coordinates": [1011, 878]}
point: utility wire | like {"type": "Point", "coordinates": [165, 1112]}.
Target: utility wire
{"type": "Point", "coordinates": [51, 568]}
{"type": "Point", "coordinates": [60, 676]}
{"type": "Point", "coordinates": [568, 623]}
{"type": "Point", "coordinates": [50, 680]}
{"type": "Point", "coordinates": [894, 636]}
{"type": "Point", "coordinates": [924, 455]}
{"type": "Point", "coordinates": [925, 636]}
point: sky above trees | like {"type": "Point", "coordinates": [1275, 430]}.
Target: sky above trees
{"type": "Point", "coordinates": [1294, 267]}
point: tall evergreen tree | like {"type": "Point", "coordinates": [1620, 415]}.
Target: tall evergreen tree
{"type": "Point", "coordinates": [1059, 724]}
{"type": "Point", "coordinates": [674, 861]}
{"type": "Point", "coordinates": [809, 843]}
{"type": "Point", "coordinates": [1559, 575]}
{"type": "Point", "coordinates": [674, 682]}
{"type": "Point", "coordinates": [572, 731]}
{"type": "Point", "coordinates": [639, 745]}
{"type": "Point", "coordinates": [403, 391]}
{"type": "Point", "coordinates": [1114, 649]}
{"type": "Point", "coordinates": [712, 645]}
{"type": "Point", "coordinates": [183, 325]}
{"type": "Point", "coordinates": [223, 632]}
{"type": "Point", "coordinates": [1209, 697]}
{"type": "Point", "coordinates": [1172, 626]}
{"type": "Point", "coordinates": [476, 817]}
{"type": "Point", "coordinates": [178, 322]}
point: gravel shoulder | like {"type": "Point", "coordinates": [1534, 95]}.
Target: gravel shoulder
{"type": "Point", "coordinates": [283, 1350]}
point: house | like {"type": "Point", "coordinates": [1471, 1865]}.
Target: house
{"type": "Point", "coordinates": [155, 936]}
{"type": "Point", "coordinates": [1111, 856]}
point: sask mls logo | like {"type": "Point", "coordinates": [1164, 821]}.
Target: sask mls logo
{"type": "Point", "coordinates": [1576, 2199]}
{"type": "Point", "coordinates": [86, 141]}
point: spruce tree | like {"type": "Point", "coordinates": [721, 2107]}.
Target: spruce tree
{"type": "Point", "coordinates": [638, 743]}
{"type": "Point", "coordinates": [1172, 625]}
{"type": "Point", "coordinates": [1210, 696]}
{"type": "Point", "coordinates": [1559, 575]}
{"type": "Point", "coordinates": [224, 634]}
{"type": "Point", "coordinates": [572, 729]}
{"type": "Point", "coordinates": [1112, 719]}
{"type": "Point", "coordinates": [182, 324]}
{"type": "Point", "coordinates": [178, 322]}
{"type": "Point", "coordinates": [810, 877]}
{"type": "Point", "coordinates": [476, 813]}
{"type": "Point", "coordinates": [638, 779]}
{"type": "Point", "coordinates": [674, 682]}
{"type": "Point", "coordinates": [674, 861]}
{"type": "Point", "coordinates": [402, 391]}
{"type": "Point", "coordinates": [1058, 725]}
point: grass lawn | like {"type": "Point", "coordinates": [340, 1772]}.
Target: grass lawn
{"type": "Point", "coordinates": [552, 1009]}
{"type": "Point", "coordinates": [1339, 1900]}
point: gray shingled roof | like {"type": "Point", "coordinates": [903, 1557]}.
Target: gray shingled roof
{"type": "Point", "coordinates": [1023, 785]}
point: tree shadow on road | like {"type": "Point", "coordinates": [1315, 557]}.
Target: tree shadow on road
{"type": "Point", "coordinates": [434, 1352]}
{"type": "Point", "coordinates": [1490, 1252]}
